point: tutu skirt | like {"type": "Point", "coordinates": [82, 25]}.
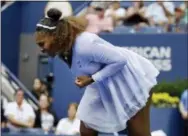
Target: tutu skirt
{"type": "Point", "coordinates": [106, 106]}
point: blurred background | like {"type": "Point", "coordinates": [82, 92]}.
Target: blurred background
{"type": "Point", "coordinates": [38, 95]}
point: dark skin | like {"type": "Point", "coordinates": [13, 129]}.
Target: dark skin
{"type": "Point", "coordinates": [48, 45]}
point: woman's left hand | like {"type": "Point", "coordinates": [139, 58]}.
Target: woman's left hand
{"type": "Point", "coordinates": [83, 81]}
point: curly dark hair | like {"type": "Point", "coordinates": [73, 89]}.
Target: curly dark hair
{"type": "Point", "coordinates": [64, 30]}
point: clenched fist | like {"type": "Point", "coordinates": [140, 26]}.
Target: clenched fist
{"type": "Point", "coordinates": [83, 81]}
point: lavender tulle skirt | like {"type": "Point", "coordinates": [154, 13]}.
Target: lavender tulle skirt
{"type": "Point", "coordinates": [108, 105]}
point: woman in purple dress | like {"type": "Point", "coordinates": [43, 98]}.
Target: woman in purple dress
{"type": "Point", "coordinates": [117, 82]}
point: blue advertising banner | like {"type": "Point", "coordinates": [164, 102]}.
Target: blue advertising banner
{"type": "Point", "coordinates": [168, 52]}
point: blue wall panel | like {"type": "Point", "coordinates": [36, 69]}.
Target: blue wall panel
{"type": "Point", "coordinates": [10, 29]}
{"type": "Point", "coordinates": [167, 119]}
{"type": "Point", "coordinates": [32, 12]}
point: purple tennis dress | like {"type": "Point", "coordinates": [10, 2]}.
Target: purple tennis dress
{"type": "Point", "coordinates": [123, 80]}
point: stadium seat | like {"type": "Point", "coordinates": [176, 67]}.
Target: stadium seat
{"type": "Point", "coordinates": [180, 28]}
{"type": "Point", "coordinates": [183, 27]}
{"type": "Point", "coordinates": [147, 3]}
{"type": "Point", "coordinates": [125, 4]}
{"type": "Point", "coordinates": [123, 29]}
{"type": "Point", "coordinates": [151, 30]}
{"type": "Point", "coordinates": [177, 3]}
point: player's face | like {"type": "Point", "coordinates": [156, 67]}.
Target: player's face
{"type": "Point", "coordinates": [47, 44]}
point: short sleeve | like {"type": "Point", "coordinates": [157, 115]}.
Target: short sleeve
{"type": "Point", "coordinates": [8, 110]}
{"type": "Point", "coordinates": [59, 129]}
{"type": "Point", "coordinates": [30, 112]}
{"type": "Point", "coordinates": [170, 7]}
{"type": "Point", "coordinates": [121, 12]}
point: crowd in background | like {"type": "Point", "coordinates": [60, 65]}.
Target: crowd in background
{"type": "Point", "coordinates": [130, 16]}
{"type": "Point", "coordinates": [165, 15]}
{"type": "Point", "coordinates": [19, 116]}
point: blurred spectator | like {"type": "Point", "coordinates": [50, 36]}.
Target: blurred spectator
{"type": "Point", "coordinates": [89, 10]}
{"type": "Point", "coordinates": [184, 7]}
{"type": "Point", "coordinates": [49, 83]}
{"type": "Point", "coordinates": [136, 14]}
{"type": "Point", "coordinates": [183, 106]}
{"type": "Point", "coordinates": [97, 22]}
{"type": "Point", "coordinates": [19, 113]}
{"type": "Point", "coordinates": [64, 6]}
{"type": "Point", "coordinates": [180, 20]}
{"type": "Point", "coordinates": [44, 87]}
{"type": "Point", "coordinates": [39, 88]}
{"type": "Point", "coordinates": [3, 118]}
{"type": "Point", "coordinates": [70, 125]}
{"type": "Point", "coordinates": [158, 133]}
{"type": "Point", "coordinates": [48, 92]}
{"type": "Point", "coordinates": [160, 12]}
{"type": "Point", "coordinates": [178, 16]}
{"type": "Point", "coordinates": [104, 4]}
{"type": "Point", "coordinates": [45, 118]}
{"type": "Point", "coordinates": [116, 12]}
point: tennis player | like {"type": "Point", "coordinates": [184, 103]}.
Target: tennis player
{"type": "Point", "coordinates": [118, 82]}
